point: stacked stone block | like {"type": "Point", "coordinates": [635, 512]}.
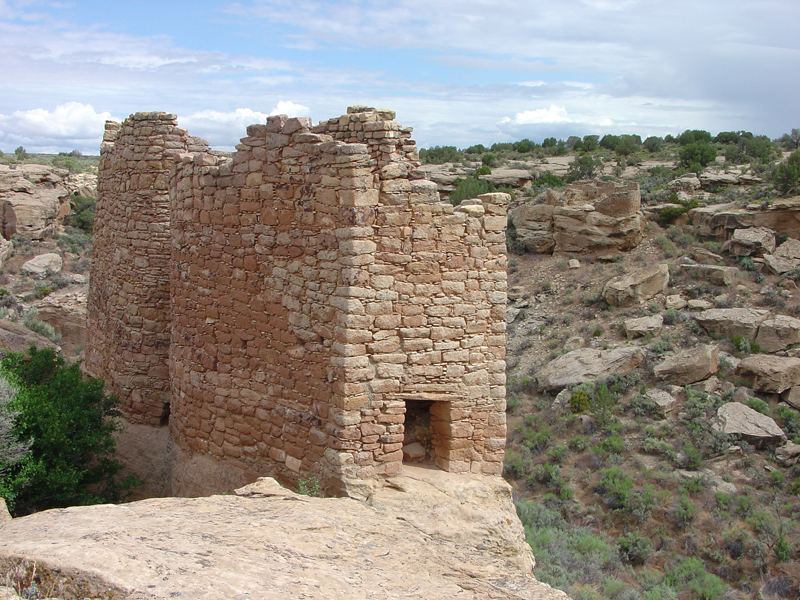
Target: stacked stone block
{"type": "Point", "coordinates": [318, 286]}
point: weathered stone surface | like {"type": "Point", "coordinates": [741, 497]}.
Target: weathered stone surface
{"type": "Point", "coordinates": [714, 178]}
{"type": "Point", "coordinates": [638, 286]}
{"type": "Point", "coordinates": [688, 183]}
{"type": "Point", "coordinates": [720, 220]}
{"type": "Point", "coordinates": [588, 364]}
{"type": "Point", "coordinates": [412, 452]}
{"type": "Point", "coordinates": [464, 535]}
{"type": "Point", "coordinates": [15, 337]}
{"type": "Point", "coordinates": [663, 400]}
{"type": "Point", "coordinates": [4, 514]}
{"type": "Point", "coordinates": [699, 304]}
{"type": "Point", "coordinates": [596, 217]}
{"type": "Point", "coordinates": [735, 418]}
{"type": "Point", "coordinates": [643, 326]}
{"type": "Point", "coordinates": [780, 264]}
{"type": "Point", "coordinates": [533, 227]}
{"type": "Point", "coordinates": [38, 195]}
{"type": "Point", "coordinates": [788, 454]}
{"type": "Point", "coordinates": [792, 397]}
{"type": "Point", "coordinates": [713, 273]}
{"type": "Point", "coordinates": [716, 482]}
{"type": "Point", "coordinates": [43, 266]}
{"type": "Point", "coordinates": [770, 373]}
{"type": "Point", "coordinates": [689, 366]}
{"type": "Point", "coordinates": [6, 250]}
{"type": "Point", "coordinates": [752, 241]}
{"type": "Point", "coordinates": [777, 333]}
{"type": "Point", "coordinates": [675, 301]}
{"type": "Point", "coordinates": [789, 249]}
{"type": "Point", "coordinates": [66, 311]}
{"type": "Point", "coordinates": [729, 322]}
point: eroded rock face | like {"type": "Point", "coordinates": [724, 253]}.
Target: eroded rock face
{"type": "Point", "coordinates": [777, 333]}
{"type": "Point", "coordinates": [753, 240]}
{"type": "Point", "coordinates": [588, 364]}
{"type": "Point", "coordinates": [713, 273]}
{"type": "Point", "coordinates": [770, 373]}
{"type": "Point", "coordinates": [587, 217]}
{"type": "Point", "coordinates": [730, 322]}
{"type": "Point", "coordinates": [638, 286]}
{"type": "Point", "coordinates": [664, 401]}
{"type": "Point", "coordinates": [15, 337]}
{"type": "Point", "coordinates": [66, 311]}
{"type": "Point", "coordinates": [38, 195]}
{"type": "Point", "coordinates": [720, 220]}
{"type": "Point", "coordinates": [460, 530]}
{"type": "Point", "coordinates": [689, 366]}
{"type": "Point", "coordinates": [735, 418]}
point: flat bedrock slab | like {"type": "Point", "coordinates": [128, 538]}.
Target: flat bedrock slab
{"type": "Point", "coordinates": [459, 531]}
{"type": "Point", "coordinates": [777, 333]}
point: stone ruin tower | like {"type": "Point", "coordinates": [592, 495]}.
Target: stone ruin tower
{"type": "Point", "coordinates": [305, 307]}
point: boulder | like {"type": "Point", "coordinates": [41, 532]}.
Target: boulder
{"type": "Point", "coordinates": [769, 373]}
{"type": "Point", "coordinates": [729, 322]}
{"type": "Point", "coordinates": [789, 249]}
{"type": "Point", "coordinates": [643, 326]}
{"type": "Point", "coordinates": [716, 178]}
{"type": "Point", "coordinates": [786, 455]}
{"type": "Point", "coordinates": [637, 286]}
{"type": "Point", "coordinates": [713, 273]}
{"type": "Point", "coordinates": [752, 241]}
{"type": "Point", "coordinates": [412, 452]}
{"type": "Point", "coordinates": [663, 400]}
{"type": "Point", "coordinates": [42, 266]}
{"type": "Point", "coordinates": [588, 364]}
{"type": "Point", "coordinates": [689, 366]}
{"type": "Point", "coordinates": [675, 301]}
{"type": "Point", "coordinates": [688, 183]}
{"type": "Point", "coordinates": [779, 264]}
{"type": "Point", "coordinates": [6, 250]}
{"type": "Point", "coordinates": [777, 333]}
{"type": "Point", "coordinates": [792, 397]}
{"type": "Point", "coordinates": [735, 418]}
{"type": "Point", "coordinates": [699, 304]}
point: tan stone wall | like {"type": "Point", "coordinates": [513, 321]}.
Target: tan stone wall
{"type": "Point", "coordinates": [318, 285]}
{"type": "Point", "coordinates": [128, 305]}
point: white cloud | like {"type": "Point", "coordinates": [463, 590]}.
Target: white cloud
{"type": "Point", "coordinates": [69, 126]}
{"type": "Point", "coordinates": [554, 114]}
{"type": "Point", "coordinates": [289, 108]}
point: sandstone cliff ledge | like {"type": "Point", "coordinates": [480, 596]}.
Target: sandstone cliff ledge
{"type": "Point", "coordinates": [425, 534]}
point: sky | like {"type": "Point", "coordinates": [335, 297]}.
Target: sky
{"type": "Point", "coordinates": [460, 72]}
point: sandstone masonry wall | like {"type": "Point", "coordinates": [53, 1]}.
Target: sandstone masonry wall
{"type": "Point", "coordinates": [319, 288]}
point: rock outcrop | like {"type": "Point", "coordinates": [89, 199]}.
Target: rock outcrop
{"type": "Point", "coordinates": [588, 217]}
{"type": "Point", "coordinates": [720, 220]}
{"type": "Point", "coordinates": [35, 197]}
{"type": "Point", "coordinates": [777, 333]}
{"type": "Point", "coordinates": [42, 266]}
{"type": "Point", "coordinates": [689, 366]}
{"type": "Point", "coordinates": [638, 286]}
{"type": "Point", "coordinates": [15, 337]}
{"type": "Point", "coordinates": [730, 322]}
{"type": "Point", "coordinates": [588, 364]}
{"type": "Point", "coordinates": [66, 311]}
{"type": "Point", "coordinates": [772, 374]}
{"type": "Point", "coordinates": [735, 418]}
{"type": "Point", "coordinates": [459, 531]}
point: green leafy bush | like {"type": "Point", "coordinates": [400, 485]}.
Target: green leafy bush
{"type": "Point", "coordinates": [550, 180]}
{"type": "Point", "coordinates": [697, 155]}
{"type": "Point", "coordinates": [69, 423]}
{"type": "Point", "coordinates": [30, 321]}
{"type": "Point", "coordinates": [634, 548]}
{"type": "Point", "coordinates": [81, 215]}
{"type": "Point", "coordinates": [582, 167]}
{"type": "Point", "coordinates": [440, 154]}
{"type": "Point", "coordinates": [579, 402]}
{"type": "Point", "coordinates": [470, 187]}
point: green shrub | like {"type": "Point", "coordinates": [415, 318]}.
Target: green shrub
{"type": "Point", "coordinates": [30, 321]}
{"type": "Point", "coordinates": [69, 422]}
{"type": "Point", "coordinates": [684, 512]}
{"type": "Point", "coordinates": [787, 174]}
{"type": "Point", "coordinates": [634, 548]}
{"type": "Point", "coordinates": [614, 487]}
{"type": "Point", "coordinates": [81, 214]}
{"type": "Point", "coordinates": [697, 155]}
{"type": "Point", "coordinates": [579, 402]}
{"type": "Point", "coordinates": [309, 487]}
{"type": "Point", "coordinates": [440, 154]}
{"type": "Point", "coordinates": [470, 187]}
{"type": "Point", "coordinates": [582, 167]}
